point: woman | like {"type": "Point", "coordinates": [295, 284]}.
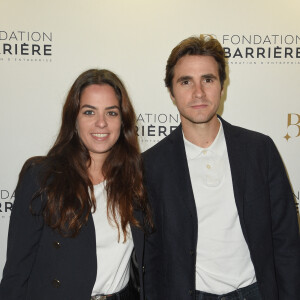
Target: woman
{"type": "Point", "coordinates": [77, 209]}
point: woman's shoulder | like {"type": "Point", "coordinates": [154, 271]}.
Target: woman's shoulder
{"type": "Point", "coordinates": [32, 171]}
{"type": "Point", "coordinates": [33, 167]}
{"type": "Point", "coordinates": [28, 185]}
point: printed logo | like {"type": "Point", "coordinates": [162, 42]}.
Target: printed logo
{"type": "Point", "coordinates": [6, 203]}
{"type": "Point", "coordinates": [25, 46]}
{"type": "Point", "coordinates": [152, 127]}
{"type": "Point", "coordinates": [261, 49]}
{"type": "Point", "coordinates": [293, 126]}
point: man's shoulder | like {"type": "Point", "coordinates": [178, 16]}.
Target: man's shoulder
{"type": "Point", "coordinates": [163, 145]}
{"type": "Point", "coordinates": [244, 134]}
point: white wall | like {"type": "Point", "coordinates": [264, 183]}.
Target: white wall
{"type": "Point", "coordinates": [134, 39]}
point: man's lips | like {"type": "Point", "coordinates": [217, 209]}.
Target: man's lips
{"type": "Point", "coordinates": [200, 105]}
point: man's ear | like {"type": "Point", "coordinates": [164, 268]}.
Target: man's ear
{"type": "Point", "coordinates": [222, 91]}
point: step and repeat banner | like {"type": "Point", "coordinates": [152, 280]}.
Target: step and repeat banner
{"type": "Point", "coordinates": [45, 45]}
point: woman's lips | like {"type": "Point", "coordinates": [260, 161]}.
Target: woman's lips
{"type": "Point", "coordinates": [100, 136]}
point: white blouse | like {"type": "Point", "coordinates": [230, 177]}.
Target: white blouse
{"type": "Point", "coordinates": [113, 257]}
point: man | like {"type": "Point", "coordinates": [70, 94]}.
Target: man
{"type": "Point", "coordinates": [226, 223]}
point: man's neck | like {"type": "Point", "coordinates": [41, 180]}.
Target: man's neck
{"type": "Point", "coordinates": [202, 134]}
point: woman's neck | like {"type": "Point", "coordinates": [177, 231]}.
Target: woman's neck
{"type": "Point", "coordinates": [95, 171]}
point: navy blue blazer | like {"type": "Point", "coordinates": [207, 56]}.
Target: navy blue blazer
{"type": "Point", "coordinates": [265, 205]}
{"type": "Point", "coordinates": [41, 264]}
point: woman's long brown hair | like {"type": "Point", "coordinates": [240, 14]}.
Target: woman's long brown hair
{"type": "Point", "coordinates": [65, 181]}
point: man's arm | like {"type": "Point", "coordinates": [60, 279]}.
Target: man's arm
{"type": "Point", "coordinates": [285, 228]}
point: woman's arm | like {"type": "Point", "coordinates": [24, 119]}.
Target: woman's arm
{"type": "Point", "coordinates": [23, 237]}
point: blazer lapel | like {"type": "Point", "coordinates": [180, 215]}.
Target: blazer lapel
{"type": "Point", "coordinates": [180, 175]}
{"type": "Point", "coordinates": [138, 236]}
{"type": "Point", "coordinates": [236, 154]}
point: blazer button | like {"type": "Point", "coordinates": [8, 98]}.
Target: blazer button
{"type": "Point", "coordinates": [143, 269]}
{"type": "Point", "coordinates": [56, 245]}
{"type": "Point", "coordinates": [56, 283]}
{"type": "Point", "coordinates": [191, 292]}
{"type": "Point", "coordinates": [191, 252]}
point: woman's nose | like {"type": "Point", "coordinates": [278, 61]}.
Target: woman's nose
{"type": "Point", "coordinates": [101, 122]}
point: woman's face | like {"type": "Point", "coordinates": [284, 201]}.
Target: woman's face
{"type": "Point", "coordinates": [99, 119]}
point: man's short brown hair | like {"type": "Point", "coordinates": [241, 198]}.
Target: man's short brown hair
{"type": "Point", "coordinates": [205, 45]}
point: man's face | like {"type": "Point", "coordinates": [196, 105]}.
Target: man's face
{"type": "Point", "coordinates": [196, 89]}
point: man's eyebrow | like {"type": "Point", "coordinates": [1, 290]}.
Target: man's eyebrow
{"type": "Point", "coordinates": [183, 78]}
{"type": "Point", "coordinates": [210, 75]}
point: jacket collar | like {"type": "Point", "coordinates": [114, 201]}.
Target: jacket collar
{"type": "Point", "coordinates": [237, 159]}
{"type": "Point", "coordinates": [236, 153]}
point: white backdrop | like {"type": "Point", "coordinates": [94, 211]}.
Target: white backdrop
{"type": "Point", "coordinates": [45, 45]}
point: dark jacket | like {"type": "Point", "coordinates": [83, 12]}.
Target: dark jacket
{"type": "Point", "coordinates": [266, 210]}
{"type": "Point", "coordinates": [41, 264]}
